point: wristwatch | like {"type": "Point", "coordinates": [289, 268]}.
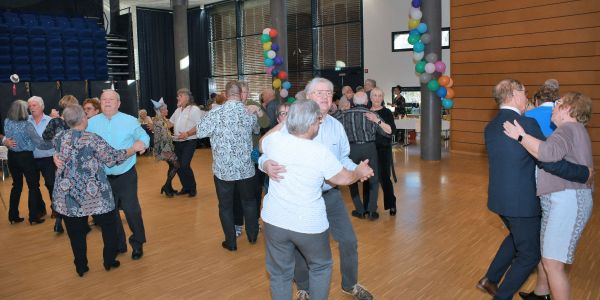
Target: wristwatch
{"type": "Point", "coordinates": [520, 138]}
{"type": "Point", "coordinates": [379, 122]}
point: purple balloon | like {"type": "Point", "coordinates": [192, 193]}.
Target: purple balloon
{"type": "Point", "coordinates": [275, 47]}
{"type": "Point", "coordinates": [440, 66]}
{"type": "Point", "coordinates": [278, 60]}
{"type": "Point", "coordinates": [416, 3]}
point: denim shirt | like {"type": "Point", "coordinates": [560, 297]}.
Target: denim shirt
{"type": "Point", "coordinates": [39, 128]}
{"type": "Point", "coordinates": [24, 134]}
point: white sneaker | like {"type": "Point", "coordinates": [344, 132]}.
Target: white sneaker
{"type": "Point", "coordinates": [359, 292]}
{"type": "Point", "coordinates": [302, 295]}
{"type": "Point", "coordinates": [238, 230]}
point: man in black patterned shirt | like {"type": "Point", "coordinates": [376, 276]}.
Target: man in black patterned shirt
{"type": "Point", "coordinates": [361, 127]}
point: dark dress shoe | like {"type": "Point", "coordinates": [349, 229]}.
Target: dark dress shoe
{"type": "Point", "coordinates": [113, 265]}
{"type": "Point", "coordinates": [58, 228]}
{"type": "Point", "coordinates": [533, 296]}
{"type": "Point", "coordinates": [228, 247]}
{"type": "Point", "coordinates": [392, 211]}
{"type": "Point", "coordinates": [137, 254]}
{"type": "Point", "coordinates": [121, 251]}
{"type": "Point", "coordinates": [357, 214]}
{"type": "Point", "coordinates": [168, 192]}
{"type": "Point", "coordinates": [486, 286]}
{"type": "Point", "coordinates": [192, 194]}
{"type": "Point", "coordinates": [36, 221]}
{"type": "Point", "coordinates": [82, 271]}
{"type": "Point", "coordinates": [182, 192]}
{"type": "Point", "coordinates": [373, 215]}
{"type": "Point", "coordinates": [16, 220]}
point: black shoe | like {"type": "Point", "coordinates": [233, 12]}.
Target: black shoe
{"type": "Point", "coordinates": [16, 220]}
{"type": "Point", "coordinates": [357, 214]}
{"type": "Point", "coordinates": [182, 192]}
{"type": "Point", "coordinates": [392, 211]}
{"type": "Point", "coordinates": [82, 271]}
{"type": "Point", "coordinates": [112, 265]}
{"type": "Point", "coordinates": [192, 193]}
{"type": "Point", "coordinates": [228, 247]}
{"type": "Point", "coordinates": [58, 228]}
{"type": "Point", "coordinates": [533, 296]}
{"type": "Point", "coordinates": [373, 215]}
{"type": "Point", "coordinates": [167, 191]}
{"type": "Point", "coordinates": [36, 221]}
{"type": "Point", "coordinates": [137, 254]}
{"type": "Point", "coordinates": [122, 250]}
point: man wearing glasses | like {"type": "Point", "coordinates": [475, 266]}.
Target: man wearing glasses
{"type": "Point", "coordinates": [331, 134]}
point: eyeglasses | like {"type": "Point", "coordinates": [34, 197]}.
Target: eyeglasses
{"type": "Point", "coordinates": [320, 119]}
{"type": "Point", "coordinates": [282, 113]}
{"type": "Point", "coordinates": [322, 93]}
{"type": "Point", "coordinates": [558, 102]}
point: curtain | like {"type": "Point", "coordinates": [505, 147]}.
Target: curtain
{"type": "Point", "coordinates": [198, 51]}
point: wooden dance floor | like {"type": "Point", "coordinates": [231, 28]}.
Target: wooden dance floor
{"type": "Point", "coordinates": [437, 246]}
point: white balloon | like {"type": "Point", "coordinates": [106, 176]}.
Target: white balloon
{"type": "Point", "coordinates": [283, 93]}
{"type": "Point", "coordinates": [429, 68]}
{"type": "Point", "coordinates": [417, 15]}
{"type": "Point", "coordinates": [431, 57]}
{"type": "Point", "coordinates": [417, 56]}
{"type": "Point", "coordinates": [271, 54]}
{"type": "Point", "coordinates": [266, 30]}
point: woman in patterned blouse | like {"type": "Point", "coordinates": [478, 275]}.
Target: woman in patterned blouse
{"type": "Point", "coordinates": [163, 145]}
{"type": "Point", "coordinates": [82, 189]}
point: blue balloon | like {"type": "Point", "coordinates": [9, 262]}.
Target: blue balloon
{"type": "Point", "coordinates": [275, 47]}
{"type": "Point", "coordinates": [419, 47]}
{"type": "Point", "coordinates": [416, 3]}
{"type": "Point", "coordinates": [441, 92]}
{"type": "Point", "coordinates": [275, 72]}
{"type": "Point", "coordinates": [447, 103]}
{"type": "Point", "coordinates": [414, 31]}
{"type": "Point", "coordinates": [422, 28]}
{"type": "Point", "coordinates": [268, 62]}
{"type": "Point", "coordinates": [286, 85]}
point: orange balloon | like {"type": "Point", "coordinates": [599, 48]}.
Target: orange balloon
{"type": "Point", "coordinates": [443, 80]}
{"type": "Point", "coordinates": [450, 83]}
{"type": "Point", "coordinates": [449, 93]}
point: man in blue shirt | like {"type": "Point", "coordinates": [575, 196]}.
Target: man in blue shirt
{"type": "Point", "coordinates": [121, 131]}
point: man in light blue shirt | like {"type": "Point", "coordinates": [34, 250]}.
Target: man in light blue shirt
{"type": "Point", "coordinates": [43, 158]}
{"type": "Point", "coordinates": [121, 131]}
{"type": "Point", "coordinates": [332, 135]}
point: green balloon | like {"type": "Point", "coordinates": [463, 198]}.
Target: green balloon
{"type": "Point", "coordinates": [413, 38]}
{"type": "Point", "coordinates": [266, 54]}
{"type": "Point", "coordinates": [433, 85]}
{"type": "Point", "coordinates": [265, 38]}
{"type": "Point", "coordinates": [291, 100]}
{"type": "Point", "coordinates": [420, 67]}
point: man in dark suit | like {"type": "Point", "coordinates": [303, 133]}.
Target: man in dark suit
{"type": "Point", "coordinates": [512, 192]}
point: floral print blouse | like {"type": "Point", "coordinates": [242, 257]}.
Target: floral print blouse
{"type": "Point", "coordinates": [81, 187]}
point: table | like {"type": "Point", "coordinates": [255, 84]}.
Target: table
{"type": "Point", "coordinates": [407, 124]}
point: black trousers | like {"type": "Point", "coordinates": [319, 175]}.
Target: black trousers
{"type": "Point", "coordinates": [46, 167]}
{"type": "Point", "coordinates": [124, 188]}
{"type": "Point", "coordinates": [77, 229]}
{"type": "Point", "coordinates": [22, 164]}
{"type": "Point", "coordinates": [226, 191]}
{"type": "Point", "coordinates": [384, 162]}
{"type": "Point", "coordinates": [185, 152]}
{"type": "Point", "coordinates": [358, 153]}
{"type": "Point", "coordinates": [238, 213]}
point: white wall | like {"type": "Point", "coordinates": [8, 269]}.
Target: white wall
{"type": "Point", "coordinates": [380, 19]}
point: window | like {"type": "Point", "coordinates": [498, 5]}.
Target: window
{"type": "Point", "coordinates": [400, 40]}
{"type": "Point", "coordinates": [222, 45]}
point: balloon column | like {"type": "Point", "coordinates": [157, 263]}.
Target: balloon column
{"type": "Point", "coordinates": [430, 67]}
{"type": "Point", "coordinates": [273, 63]}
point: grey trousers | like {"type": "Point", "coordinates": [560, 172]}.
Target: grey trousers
{"type": "Point", "coordinates": [358, 153]}
{"type": "Point", "coordinates": [341, 231]}
{"type": "Point", "coordinates": [280, 245]}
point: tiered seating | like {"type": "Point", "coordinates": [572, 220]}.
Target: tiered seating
{"type": "Point", "coordinates": [47, 48]}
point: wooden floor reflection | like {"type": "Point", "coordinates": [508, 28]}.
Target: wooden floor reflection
{"type": "Point", "coordinates": [437, 246]}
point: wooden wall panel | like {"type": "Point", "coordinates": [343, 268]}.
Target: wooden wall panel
{"type": "Point", "coordinates": [530, 41]}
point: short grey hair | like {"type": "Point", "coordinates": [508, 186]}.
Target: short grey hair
{"type": "Point", "coordinates": [73, 115]}
{"type": "Point", "coordinates": [505, 88]}
{"type": "Point", "coordinates": [111, 91]}
{"type": "Point", "coordinates": [233, 88]}
{"type": "Point", "coordinates": [18, 111]}
{"type": "Point", "coordinates": [360, 98]}
{"type": "Point", "coordinates": [312, 85]}
{"type": "Point", "coordinates": [372, 81]}
{"type": "Point", "coordinates": [37, 99]}
{"type": "Point", "coordinates": [345, 88]}
{"type": "Point", "coordinates": [377, 90]}
{"type": "Point", "coordinates": [302, 114]}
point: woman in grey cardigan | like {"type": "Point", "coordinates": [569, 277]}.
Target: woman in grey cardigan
{"type": "Point", "coordinates": [566, 205]}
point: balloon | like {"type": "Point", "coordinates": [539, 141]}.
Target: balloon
{"type": "Point", "coordinates": [266, 54]}
{"type": "Point", "coordinates": [449, 93]}
{"type": "Point", "coordinates": [433, 85]}
{"type": "Point", "coordinates": [426, 38]}
{"type": "Point", "coordinates": [443, 80]}
{"type": "Point", "coordinates": [271, 54]}
{"type": "Point", "coordinates": [266, 30]}
{"type": "Point", "coordinates": [424, 78]}
{"type": "Point", "coordinates": [282, 75]}
{"type": "Point", "coordinates": [413, 10]}
{"type": "Point", "coordinates": [429, 68]}
{"type": "Point", "coordinates": [265, 38]}
{"type": "Point", "coordinates": [291, 100]}
{"type": "Point", "coordinates": [450, 83]}
{"type": "Point", "coordinates": [270, 70]}
{"type": "Point", "coordinates": [414, 31]}
{"type": "Point", "coordinates": [422, 28]}
{"type": "Point", "coordinates": [441, 92]}
{"type": "Point", "coordinates": [417, 56]}
{"type": "Point", "coordinates": [277, 83]}
{"type": "Point", "coordinates": [431, 57]}
{"type": "Point", "coordinates": [416, 15]}
{"type": "Point", "coordinates": [419, 47]}
{"type": "Point", "coordinates": [275, 71]}
{"type": "Point", "coordinates": [273, 33]}
{"type": "Point", "coordinates": [412, 39]}
{"type": "Point", "coordinates": [268, 62]}
{"type": "Point", "coordinates": [278, 60]}
{"type": "Point", "coordinates": [267, 46]}
{"type": "Point", "coordinates": [283, 93]}
{"type": "Point", "coordinates": [420, 67]}
{"type": "Point", "coordinates": [275, 47]}
{"type": "Point", "coordinates": [412, 23]}
{"type": "Point", "coordinates": [440, 66]}
{"type": "Point", "coordinates": [416, 3]}
{"type": "Point", "coordinates": [286, 85]}
{"type": "Point", "coordinates": [447, 103]}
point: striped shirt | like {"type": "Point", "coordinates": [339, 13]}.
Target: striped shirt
{"type": "Point", "coordinates": [358, 128]}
